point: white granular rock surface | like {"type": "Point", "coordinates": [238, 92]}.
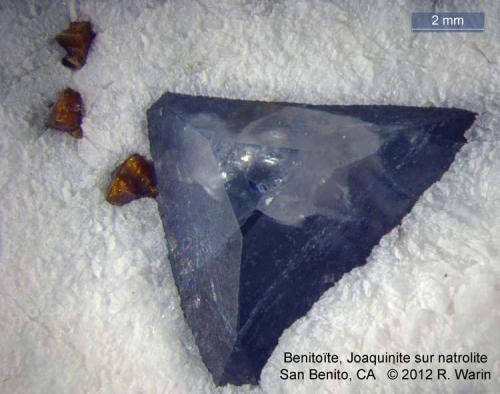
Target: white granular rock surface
{"type": "Point", "coordinates": [87, 300]}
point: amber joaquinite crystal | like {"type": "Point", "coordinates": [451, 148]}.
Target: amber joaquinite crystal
{"type": "Point", "coordinates": [134, 178]}
{"type": "Point", "coordinates": [76, 40]}
{"type": "Point", "coordinates": [66, 114]}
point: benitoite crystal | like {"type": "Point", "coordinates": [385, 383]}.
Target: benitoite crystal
{"type": "Point", "coordinates": [266, 205]}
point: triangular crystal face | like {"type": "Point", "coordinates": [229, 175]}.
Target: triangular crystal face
{"type": "Point", "coordinates": [266, 205]}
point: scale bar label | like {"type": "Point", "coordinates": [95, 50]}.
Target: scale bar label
{"type": "Point", "coordinates": [447, 21]}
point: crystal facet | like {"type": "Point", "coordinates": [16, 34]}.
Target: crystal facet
{"type": "Point", "coordinates": [266, 205]}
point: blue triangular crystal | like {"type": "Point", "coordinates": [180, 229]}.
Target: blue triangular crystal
{"type": "Point", "coordinates": [266, 205]}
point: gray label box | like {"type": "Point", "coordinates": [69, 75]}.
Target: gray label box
{"type": "Point", "coordinates": [447, 21]}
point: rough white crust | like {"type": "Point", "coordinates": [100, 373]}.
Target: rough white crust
{"type": "Point", "coordinates": [86, 302]}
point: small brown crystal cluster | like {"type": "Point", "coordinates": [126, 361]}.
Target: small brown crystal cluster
{"type": "Point", "coordinates": [133, 179]}
{"type": "Point", "coordinates": [76, 41]}
{"type": "Point", "coordinates": [66, 114]}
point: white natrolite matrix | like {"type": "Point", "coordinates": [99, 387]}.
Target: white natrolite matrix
{"type": "Point", "coordinates": [88, 302]}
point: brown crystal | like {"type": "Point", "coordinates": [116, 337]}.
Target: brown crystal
{"type": "Point", "coordinates": [134, 178]}
{"type": "Point", "coordinates": [66, 114]}
{"type": "Point", "coordinates": [76, 41]}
